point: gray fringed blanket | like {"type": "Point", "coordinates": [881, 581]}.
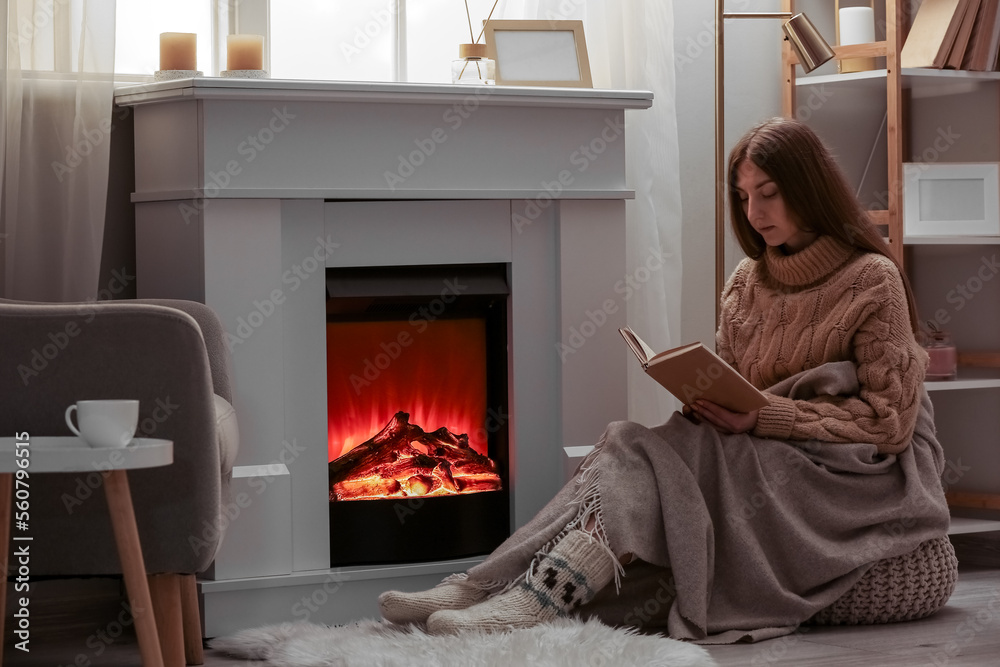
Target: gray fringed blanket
{"type": "Point", "coordinates": [738, 538]}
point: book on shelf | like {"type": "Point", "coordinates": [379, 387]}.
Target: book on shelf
{"type": "Point", "coordinates": [981, 52]}
{"type": "Point", "coordinates": [993, 51]}
{"type": "Point", "coordinates": [962, 38]}
{"type": "Point", "coordinates": [693, 371]}
{"type": "Point", "coordinates": [933, 33]}
{"type": "Point", "coordinates": [951, 34]}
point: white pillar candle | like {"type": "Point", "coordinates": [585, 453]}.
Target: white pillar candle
{"type": "Point", "coordinates": [178, 50]}
{"type": "Point", "coordinates": [244, 52]}
{"type": "Point", "coordinates": [857, 25]}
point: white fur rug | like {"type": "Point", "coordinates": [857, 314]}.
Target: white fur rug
{"type": "Point", "coordinates": [562, 643]}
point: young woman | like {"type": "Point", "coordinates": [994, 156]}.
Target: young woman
{"type": "Point", "coordinates": [731, 526]}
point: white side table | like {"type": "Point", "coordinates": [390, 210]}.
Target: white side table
{"type": "Point", "coordinates": [71, 454]}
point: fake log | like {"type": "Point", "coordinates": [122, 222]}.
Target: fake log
{"type": "Point", "coordinates": [403, 461]}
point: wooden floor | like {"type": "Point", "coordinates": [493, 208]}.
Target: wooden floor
{"type": "Point", "coordinates": [88, 627]}
{"type": "Point", "coordinates": [965, 632]}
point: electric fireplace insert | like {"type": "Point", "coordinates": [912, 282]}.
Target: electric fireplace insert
{"type": "Point", "coordinates": [417, 369]}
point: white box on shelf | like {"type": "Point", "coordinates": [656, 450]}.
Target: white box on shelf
{"type": "Point", "coordinates": [959, 199]}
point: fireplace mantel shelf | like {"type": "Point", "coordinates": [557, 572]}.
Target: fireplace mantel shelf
{"type": "Point", "coordinates": [239, 139]}
{"type": "Point", "coordinates": [287, 90]}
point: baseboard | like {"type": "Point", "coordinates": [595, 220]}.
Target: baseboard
{"type": "Point", "coordinates": [333, 597]}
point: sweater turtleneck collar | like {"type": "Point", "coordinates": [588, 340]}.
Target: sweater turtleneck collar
{"type": "Point", "coordinates": [811, 264]}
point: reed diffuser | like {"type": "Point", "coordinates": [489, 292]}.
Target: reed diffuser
{"type": "Point", "coordinates": [472, 66]}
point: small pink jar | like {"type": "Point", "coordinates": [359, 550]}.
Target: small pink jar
{"type": "Point", "coordinates": [943, 356]}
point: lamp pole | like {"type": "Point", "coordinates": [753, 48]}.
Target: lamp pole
{"type": "Point", "coordinates": [720, 168]}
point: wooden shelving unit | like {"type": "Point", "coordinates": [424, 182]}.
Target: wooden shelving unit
{"type": "Point", "coordinates": [974, 396]}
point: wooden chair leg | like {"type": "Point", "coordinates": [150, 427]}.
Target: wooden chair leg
{"type": "Point", "coordinates": [194, 653]}
{"type": "Point", "coordinates": [165, 591]}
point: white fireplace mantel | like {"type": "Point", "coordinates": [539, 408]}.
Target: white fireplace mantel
{"type": "Point", "coordinates": [230, 138]}
{"type": "Point", "coordinates": [246, 190]}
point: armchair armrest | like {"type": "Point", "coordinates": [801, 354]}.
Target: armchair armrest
{"type": "Point", "coordinates": [52, 355]}
{"type": "Point", "coordinates": [215, 341]}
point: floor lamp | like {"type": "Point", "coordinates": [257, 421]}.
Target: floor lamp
{"type": "Point", "coordinates": [812, 51]}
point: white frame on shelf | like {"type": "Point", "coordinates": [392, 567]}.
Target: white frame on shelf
{"type": "Point", "coordinates": [946, 177]}
{"type": "Point", "coordinates": [533, 46]}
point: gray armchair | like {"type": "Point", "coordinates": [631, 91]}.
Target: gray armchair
{"type": "Point", "coordinates": [172, 357]}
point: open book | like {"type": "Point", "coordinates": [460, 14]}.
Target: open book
{"type": "Point", "coordinates": [693, 371]}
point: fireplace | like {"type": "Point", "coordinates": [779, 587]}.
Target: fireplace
{"type": "Point", "coordinates": [506, 185]}
{"type": "Point", "coordinates": [417, 412]}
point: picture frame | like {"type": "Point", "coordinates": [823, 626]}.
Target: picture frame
{"type": "Point", "coordinates": [539, 53]}
{"type": "Point", "coordinates": [957, 199]}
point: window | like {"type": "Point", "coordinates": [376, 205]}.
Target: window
{"type": "Point", "coordinates": [140, 22]}
{"type": "Point", "coordinates": [435, 28]}
{"type": "Point", "coordinates": [341, 40]}
{"type": "Point", "coordinates": [46, 36]}
{"type": "Point", "coordinates": [352, 40]}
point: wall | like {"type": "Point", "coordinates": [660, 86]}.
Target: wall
{"type": "Point", "coordinates": [752, 93]}
{"type": "Point", "coordinates": [117, 277]}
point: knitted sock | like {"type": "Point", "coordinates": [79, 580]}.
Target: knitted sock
{"type": "Point", "coordinates": [399, 607]}
{"type": "Point", "coordinates": [567, 577]}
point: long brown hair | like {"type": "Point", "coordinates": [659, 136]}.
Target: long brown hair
{"type": "Point", "coordinates": [814, 189]}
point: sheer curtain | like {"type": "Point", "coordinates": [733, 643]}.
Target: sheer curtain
{"type": "Point", "coordinates": [56, 100]}
{"type": "Point", "coordinates": [630, 45]}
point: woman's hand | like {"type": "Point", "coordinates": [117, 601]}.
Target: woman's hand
{"type": "Point", "coordinates": [724, 421]}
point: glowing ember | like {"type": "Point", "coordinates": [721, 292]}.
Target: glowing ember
{"type": "Point", "coordinates": [403, 461]}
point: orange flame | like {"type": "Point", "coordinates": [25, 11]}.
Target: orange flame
{"type": "Point", "coordinates": [436, 371]}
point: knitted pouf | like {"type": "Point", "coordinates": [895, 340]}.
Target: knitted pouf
{"type": "Point", "coordinates": [903, 588]}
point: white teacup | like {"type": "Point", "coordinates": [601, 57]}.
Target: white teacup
{"type": "Point", "coordinates": [109, 423]}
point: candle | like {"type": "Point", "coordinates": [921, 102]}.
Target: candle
{"type": "Point", "coordinates": [244, 52]}
{"type": "Point", "coordinates": [178, 50]}
{"type": "Point", "coordinates": [857, 26]}
{"type": "Point", "coordinates": [943, 363]}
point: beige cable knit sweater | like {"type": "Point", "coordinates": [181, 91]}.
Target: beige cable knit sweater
{"type": "Point", "coordinates": [783, 314]}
